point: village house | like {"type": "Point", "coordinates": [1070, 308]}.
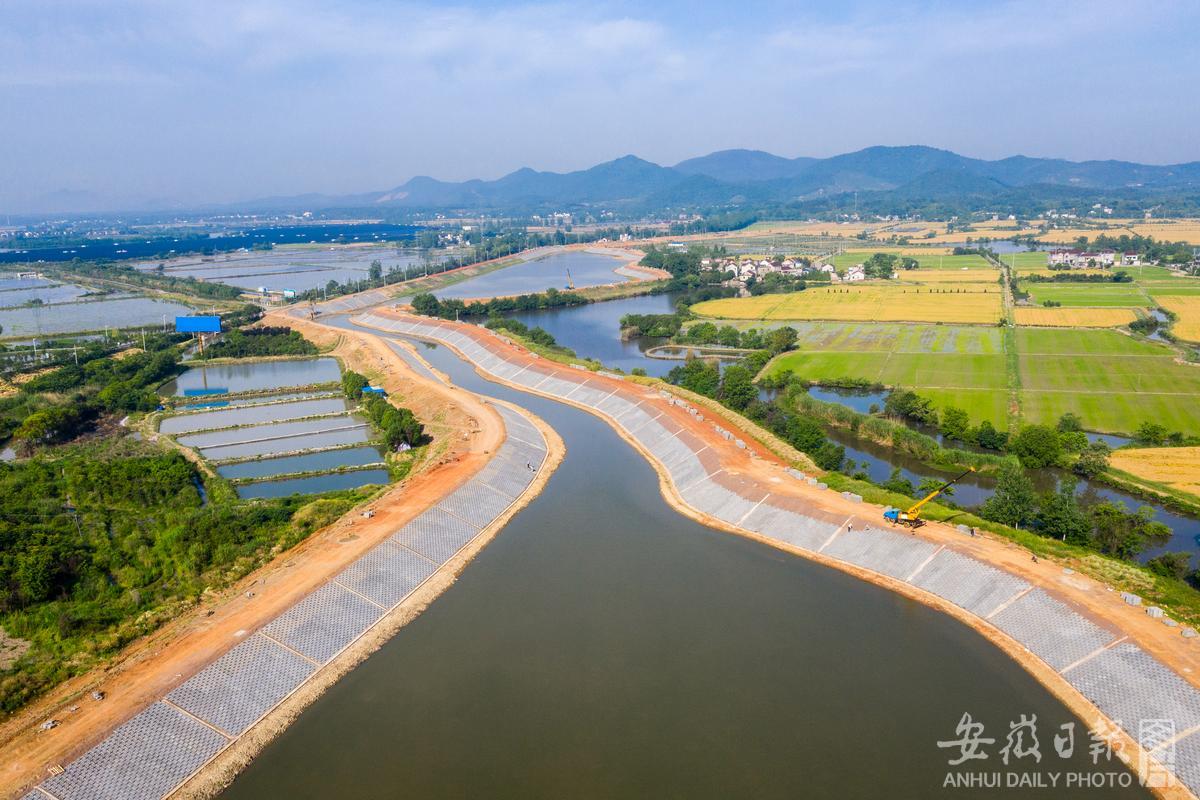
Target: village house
{"type": "Point", "coordinates": [1080, 259]}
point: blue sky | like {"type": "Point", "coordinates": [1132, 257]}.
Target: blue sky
{"type": "Point", "coordinates": [125, 102]}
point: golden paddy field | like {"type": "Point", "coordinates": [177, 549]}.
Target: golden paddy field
{"type": "Point", "coordinates": [964, 303]}
{"type": "Point", "coordinates": [1184, 230]}
{"type": "Point", "coordinates": [1187, 307]}
{"type": "Point", "coordinates": [1178, 467]}
{"type": "Point", "coordinates": [948, 275]}
{"type": "Point", "coordinates": [1073, 317]}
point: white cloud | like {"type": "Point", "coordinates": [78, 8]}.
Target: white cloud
{"type": "Point", "coordinates": [243, 97]}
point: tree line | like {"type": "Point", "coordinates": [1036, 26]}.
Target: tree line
{"type": "Point", "coordinates": [398, 426]}
{"type": "Point", "coordinates": [264, 341]}
{"type": "Point", "coordinates": [452, 308]}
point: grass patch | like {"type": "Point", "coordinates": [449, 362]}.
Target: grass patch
{"type": "Point", "coordinates": [1113, 382]}
{"type": "Point", "coordinates": [1094, 295]}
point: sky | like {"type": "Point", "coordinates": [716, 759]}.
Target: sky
{"type": "Point", "coordinates": [140, 103]}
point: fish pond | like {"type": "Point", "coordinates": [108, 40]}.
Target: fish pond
{"type": "Point", "coordinates": [253, 376]}
{"type": "Point", "coordinates": [277, 444]}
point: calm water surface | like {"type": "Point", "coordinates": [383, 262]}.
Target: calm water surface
{"type": "Point", "coordinates": [253, 376]}
{"type": "Point", "coordinates": [593, 331]}
{"type": "Point", "coordinates": [587, 269]}
{"type": "Point", "coordinates": [314, 484]}
{"type": "Point", "coordinates": [247, 415]}
{"type": "Point", "coordinates": [603, 646]}
{"type": "Point", "coordinates": [308, 441]}
{"type": "Point", "coordinates": [309, 462]}
{"type": "Point", "coordinates": [129, 312]}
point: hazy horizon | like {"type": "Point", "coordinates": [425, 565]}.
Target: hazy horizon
{"type": "Point", "coordinates": [135, 104]}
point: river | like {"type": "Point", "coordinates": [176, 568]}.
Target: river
{"type": "Point", "coordinates": [604, 646]}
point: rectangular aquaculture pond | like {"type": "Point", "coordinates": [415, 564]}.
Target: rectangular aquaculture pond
{"type": "Point", "coordinates": [314, 484]}
{"type": "Point", "coordinates": [254, 376]}
{"type": "Point", "coordinates": [252, 414]}
{"type": "Point", "coordinates": [309, 462]}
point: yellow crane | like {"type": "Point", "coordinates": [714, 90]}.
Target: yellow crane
{"type": "Point", "coordinates": [570, 283]}
{"type": "Point", "coordinates": [912, 517]}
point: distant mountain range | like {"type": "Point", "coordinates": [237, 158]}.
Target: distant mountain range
{"type": "Point", "coordinates": [887, 179]}
{"type": "Point", "coordinates": [742, 177]}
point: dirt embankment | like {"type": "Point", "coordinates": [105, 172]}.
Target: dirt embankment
{"type": "Point", "coordinates": [148, 669]}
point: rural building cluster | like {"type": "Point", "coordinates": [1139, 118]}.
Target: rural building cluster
{"type": "Point", "coordinates": [743, 270]}
{"type": "Point", "coordinates": [1083, 259]}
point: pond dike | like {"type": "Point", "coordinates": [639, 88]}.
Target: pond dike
{"type": "Point", "coordinates": [1063, 648]}
{"type": "Point", "coordinates": [152, 754]}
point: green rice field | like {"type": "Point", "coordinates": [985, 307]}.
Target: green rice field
{"type": "Point", "coordinates": [1026, 262]}
{"type": "Point", "coordinates": [952, 365]}
{"type": "Point", "coordinates": [1112, 381]}
{"type": "Point", "coordinates": [1095, 295]}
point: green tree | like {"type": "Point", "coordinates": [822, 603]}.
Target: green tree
{"type": "Point", "coordinates": [426, 304]}
{"type": "Point", "coordinates": [896, 482]}
{"type": "Point", "coordinates": [1171, 565]}
{"type": "Point", "coordinates": [804, 433]}
{"type": "Point", "coordinates": [541, 336]}
{"type": "Point", "coordinates": [1073, 441]}
{"type": "Point", "coordinates": [696, 375]}
{"type": "Point", "coordinates": [781, 339]}
{"type": "Point", "coordinates": [1014, 502]}
{"type": "Point", "coordinates": [829, 456]}
{"type": "Point", "coordinates": [1069, 422]}
{"type": "Point", "coordinates": [988, 437]}
{"type": "Point", "coordinates": [353, 384]}
{"type": "Point", "coordinates": [375, 271]}
{"type": "Point", "coordinates": [1037, 446]}
{"type": "Point", "coordinates": [910, 405]}
{"type": "Point", "coordinates": [737, 387]}
{"type": "Point", "coordinates": [703, 333]}
{"type": "Point", "coordinates": [1093, 460]}
{"type": "Point", "coordinates": [1152, 433]}
{"type": "Point", "coordinates": [35, 574]}
{"type": "Point", "coordinates": [1125, 534]}
{"type": "Point", "coordinates": [1060, 517]}
{"type": "Point", "coordinates": [729, 336]}
{"type": "Point", "coordinates": [956, 424]}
